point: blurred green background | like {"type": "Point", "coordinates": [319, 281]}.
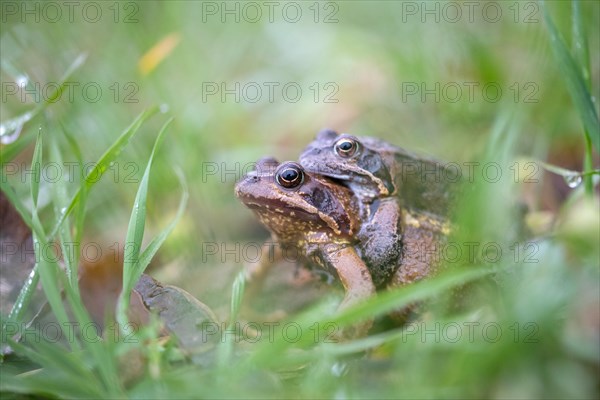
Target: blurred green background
{"type": "Point", "coordinates": [496, 93]}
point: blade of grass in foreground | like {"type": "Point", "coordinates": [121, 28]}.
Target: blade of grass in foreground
{"type": "Point", "coordinates": [102, 357]}
{"type": "Point", "coordinates": [59, 195]}
{"type": "Point", "coordinates": [47, 267]}
{"type": "Point", "coordinates": [102, 351]}
{"type": "Point", "coordinates": [55, 363]}
{"type": "Point", "coordinates": [575, 82]}
{"type": "Point", "coordinates": [237, 295]}
{"type": "Point", "coordinates": [24, 297]}
{"type": "Point", "coordinates": [135, 235]}
{"type": "Point", "coordinates": [83, 190]}
{"type": "Point", "coordinates": [582, 57]}
{"type": "Point", "coordinates": [134, 264]}
{"type": "Point", "coordinates": [149, 252]}
{"type": "Point", "coordinates": [376, 306]}
{"type": "Point", "coordinates": [580, 43]}
{"type": "Point", "coordinates": [104, 162]}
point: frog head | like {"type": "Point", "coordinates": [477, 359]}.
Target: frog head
{"type": "Point", "coordinates": [296, 205]}
{"type": "Point", "coordinates": [356, 162]}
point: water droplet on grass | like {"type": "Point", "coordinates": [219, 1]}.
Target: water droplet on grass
{"type": "Point", "coordinates": [22, 80]}
{"type": "Point", "coordinates": [339, 368]}
{"type": "Point", "coordinates": [11, 129]}
{"type": "Point", "coordinates": [573, 180]}
{"type": "Point", "coordinates": [9, 134]}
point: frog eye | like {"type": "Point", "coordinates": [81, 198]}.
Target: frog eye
{"type": "Point", "coordinates": [290, 175]}
{"type": "Point", "coordinates": [346, 147]}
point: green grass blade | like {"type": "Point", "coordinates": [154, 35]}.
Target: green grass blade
{"type": "Point", "coordinates": [36, 168]}
{"type": "Point", "coordinates": [237, 295]}
{"type": "Point", "coordinates": [52, 356]}
{"type": "Point", "coordinates": [580, 43]}
{"type": "Point", "coordinates": [42, 384]}
{"type": "Point", "coordinates": [83, 190]}
{"type": "Point", "coordinates": [56, 360]}
{"type": "Point", "coordinates": [59, 195]}
{"type": "Point", "coordinates": [104, 162]}
{"type": "Point", "coordinates": [149, 252]}
{"type": "Point", "coordinates": [48, 268]}
{"type": "Point", "coordinates": [113, 152]}
{"type": "Point", "coordinates": [575, 82]}
{"type": "Point", "coordinates": [582, 57]}
{"type": "Point", "coordinates": [28, 288]}
{"type": "Point", "coordinates": [103, 356]}
{"type": "Point", "coordinates": [24, 297]}
{"type": "Point", "coordinates": [403, 296]}
{"type": "Point", "coordinates": [55, 94]}
{"type": "Point", "coordinates": [15, 74]}
{"type": "Point", "coordinates": [135, 235]}
{"type": "Point", "coordinates": [49, 271]}
{"type": "Point", "coordinates": [376, 306]}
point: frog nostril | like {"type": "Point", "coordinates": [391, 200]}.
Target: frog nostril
{"type": "Point", "coordinates": [252, 175]}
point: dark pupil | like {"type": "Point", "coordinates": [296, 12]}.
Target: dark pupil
{"type": "Point", "coordinates": [289, 175]}
{"type": "Point", "coordinates": [346, 146]}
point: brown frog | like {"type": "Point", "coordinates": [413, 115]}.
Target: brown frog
{"type": "Point", "coordinates": [323, 219]}
{"type": "Point", "coordinates": [385, 179]}
{"type": "Point", "coordinates": [312, 214]}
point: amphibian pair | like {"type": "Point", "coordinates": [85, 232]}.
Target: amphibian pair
{"type": "Point", "coordinates": [368, 212]}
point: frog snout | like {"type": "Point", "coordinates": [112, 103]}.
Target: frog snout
{"type": "Point", "coordinates": [252, 176]}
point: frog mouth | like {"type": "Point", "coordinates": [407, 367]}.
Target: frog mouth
{"type": "Point", "coordinates": [276, 206]}
{"type": "Point", "coordinates": [284, 210]}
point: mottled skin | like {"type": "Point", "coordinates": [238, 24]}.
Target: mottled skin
{"type": "Point", "coordinates": [318, 217]}
{"type": "Point", "coordinates": [385, 179]}
{"type": "Point", "coordinates": [322, 219]}
{"type": "Point", "coordinates": [422, 244]}
{"type": "Point", "coordinates": [378, 169]}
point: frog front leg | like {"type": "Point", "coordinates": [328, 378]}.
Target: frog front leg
{"type": "Point", "coordinates": [380, 239]}
{"type": "Point", "coordinates": [357, 282]}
